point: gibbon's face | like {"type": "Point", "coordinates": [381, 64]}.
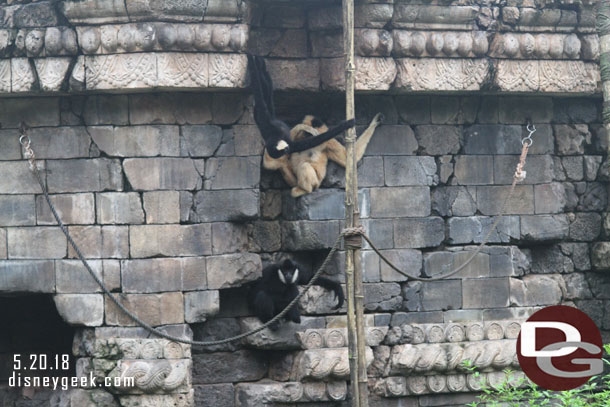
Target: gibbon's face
{"type": "Point", "coordinates": [288, 273]}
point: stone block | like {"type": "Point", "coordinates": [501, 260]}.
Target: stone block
{"type": "Point", "coordinates": [551, 259]}
{"type": "Point", "coordinates": [454, 110]}
{"type": "Point", "coordinates": [302, 75]}
{"type": "Point", "coordinates": [228, 108]}
{"type": "Point", "coordinates": [571, 139]}
{"type": "Point", "coordinates": [3, 247]}
{"type": "Point", "coordinates": [199, 305]}
{"type": "Point", "coordinates": [575, 110]}
{"type": "Point", "coordinates": [71, 277]}
{"type": "Point", "coordinates": [136, 141]}
{"type": "Point", "coordinates": [518, 109]}
{"type": "Point", "coordinates": [441, 295]}
{"type": "Point", "coordinates": [81, 309]}
{"type": "Point", "coordinates": [229, 237]}
{"type": "Point", "coordinates": [10, 149]}
{"type": "Point", "coordinates": [370, 266]}
{"type": "Point", "coordinates": [265, 237]}
{"type": "Point", "coordinates": [400, 202]}
{"type": "Point", "coordinates": [382, 297]}
{"type": "Point", "coordinates": [249, 139]}
{"type": "Point", "coordinates": [600, 255]}
{"type": "Point", "coordinates": [417, 233]}
{"type": "Point", "coordinates": [392, 140]}
{"type": "Point", "coordinates": [222, 367]}
{"type": "Point", "coordinates": [31, 276]}
{"type": "Point", "coordinates": [414, 109]}
{"type": "Point", "coordinates": [227, 205]}
{"type": "Point", "coordinates": [17, 210]}
{"type": "Point", "coordinates": [154, 309]}
{"type": "Point", "coordinates": [162, 173]}
{"type": "Point", "coordinates": [454, 201]}
{"type": "Point", "coordinates": [585, 227]}
{"type": "Point", "coordinates": [406, 259]}
{"type": "Point", "coordinates": [215, 395]}
{"type": "Point", "coordinates": [535, 290]}
{"type": "Point", "coordinates": [592, 166]}
{"type": "Point", "coordinates": [36, 243]}
{"type": "Point", "coordinates": [439, 263]}
{"type": "Point", "coordinates": [539, 169]}
{"type": "Point", "coordinates": [170, 240]}
{"type": "Point", "coordinates": [84, 175]}
{"type": "Point", "coordinates": [200, 140]}
{"type": "Point", "coordinates": [544, 227]}
{"type": "Point", "coordinates": [323, 204]}
{"type": "Point", "coordinates": [119, 208]}
{"type": "Point", "coordinates": [491, 198]}
{"type": "Point", "coordinates": [370, 172]}
{"type": "Point", "coordinates": [474, 229]}
{"type": "Point", "coordinates": [550, 198]}
{"type": "Point", "coordinates": [73, 209]}
{"type": "Point", "coordinates": [309, 235]}
{"type": "Point", "coordinates": [285, 338]}
{"type": "Point", "coordinates": [381, 232]}
{"type": "Point", "coordinates": [573, 167]}
{"type": "Point", "coordinates": [324, 18]}
{"type": "Point", "coordinates": [579, 255]}
{"type": "Point", "coordinates": [593, 198]}
{"type": "Point", "coordinates": [160, 275]}
{"type": "Point", "coordinates": [98, 242]}
{"type": "Point", "coordinates": [39, 14]}
{"type": "Point", "coordinates": [162, 206]}
{"type": "Point", "coordinates": [485, 293]}
{"type": "Point", "coordinates": [17, 178]}
{"type": "Point", "coordinates": [329, 44]}
{"type": "Point", "coordinates": [430, 317]}
{"type": "Point", "coordinates": [232, 270]}
{"type": "Point", "coordinates": [232, 172]}
{"type": "Point", "coordinates": [106, 109]}
{"type": "Point", "coordinates": [438, 140]}
{"type": "Point", "coordinates": [164, 108]}
{"type": "Point", "coordinates": [406, 171]}
{"type": "Point", "coordinates": [60, 142]}
{"type": "Point", "coordinates": [492, 139]}
{"type": "Point", "coordinates": [474, 170]}
{"type": "Point", "coordinates": [17, 110]}
{"type": "Point", "coordinates": [577, 287]}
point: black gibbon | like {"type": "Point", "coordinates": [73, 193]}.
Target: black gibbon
{"type": "Point", "coordinates": [276, 133]}
{"type": "Point", "coordinates": [305, 171]}
{"type": "Point", "coordinates": [270, 294]}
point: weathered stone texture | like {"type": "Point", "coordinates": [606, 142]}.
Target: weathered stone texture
{"type": "Point", "coordinates": [199, 305]}
{"type": "Point", "coordinates": [232, 172]}
{"type": "Point", "coordinates": [222, 367]}
{"type": "Point", "coordinates": [86, 175]}
{"type": "Point", "coordinates": [162, 173]}
{"type": "Point", "coordinates": [135, 141]}
{"type": "Point", "coordinates": [36, 276]}
{"type": "Point", "coordinates": [100, 241]}
{"type": "Point", "coordinates": [232, 270]}
{"type": "Point", "coordinates": [81, 309]}
{"type": "Point", "coordinates": [159, 275]}
{"type": "Point", "coordinates": [119, 208]}
{"type": "Point", "coordinates": [73, 278]}
{"type": "Point", "coordinates": [162, 206]}
{"type": "Point", "coordinates": [170, 240]}
{"type": "Point", "coordinates": [404, 171]}
{"type": "Point", "coordinates": [73, 209]}
{"type": "Point", "coordinates": [154, 309]}
{"type": "Point", "coordinates": [438, 140]}
{"type": "Point", "coordinates": [416, 233]}
{"type": "Point", "coordinates": [400, 202]}
{"type": "Point", "coordinates": [36, 243]}
{"type": "Point", "coordinates": [227, 205]}
{"type": "Point", "coordinates": [17, 210]}
{"type": "Point", "coordinates": [485, 293]}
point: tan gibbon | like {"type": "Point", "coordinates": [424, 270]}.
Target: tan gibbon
{"type": "Point", "coordinates": [304, 171]}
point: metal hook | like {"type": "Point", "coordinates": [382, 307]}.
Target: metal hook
{"type": "Point", "coordinates": [532, 129]}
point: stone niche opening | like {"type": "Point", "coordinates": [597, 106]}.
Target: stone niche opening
{"type": "Point", "coordinates": [30, 326]}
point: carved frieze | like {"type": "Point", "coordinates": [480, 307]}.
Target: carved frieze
{"type": "Point", "coordinates": [442, 74]}
{"type": "Point", "coordinates": [268, 392]}
{"type": "Point", "coordinates": [144, 37]}
{"type": "Point", "coordinates": [38, 42]}
{"type": "Point", "coordinates": [400, 386]}
{"type": "Point", "coordinates": [52, 72]}
{"type": "Point", "coordinates": [446, 358]}
{"type": "Point", "coordinates": [337, 337]}
{"type": "Point", "coordinates": [325, 364]}
{"type": "Point", "coordinates": [453, 44]}
{"type": "Point", "coordinates": [153, 376]}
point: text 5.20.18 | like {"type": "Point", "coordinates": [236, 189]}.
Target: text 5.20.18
{"type": "Point", "coordinates": [41, 362]}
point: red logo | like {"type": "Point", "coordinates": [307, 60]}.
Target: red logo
{"type": "Point", "coordinates": [560, 348]}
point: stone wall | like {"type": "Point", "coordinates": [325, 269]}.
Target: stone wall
{"type": "Point", "coordinates": [164, 190]}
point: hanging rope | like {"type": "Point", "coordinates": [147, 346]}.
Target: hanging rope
{"type": "Point", "coordinates": [31, 157]}
{"type": "Point", "coordinates": [347, 233]}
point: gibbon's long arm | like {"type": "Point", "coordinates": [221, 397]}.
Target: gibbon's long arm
{"type": "Point", "coordinates": [336, 151]}
{"type": "Point", "coordinates": [276, 133]}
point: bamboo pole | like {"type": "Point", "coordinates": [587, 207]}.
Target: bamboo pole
{"type": "Point", "coordinates": [353, 269]}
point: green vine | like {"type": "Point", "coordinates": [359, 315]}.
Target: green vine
{"type": "Point", "coordinates": [519, 391]}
